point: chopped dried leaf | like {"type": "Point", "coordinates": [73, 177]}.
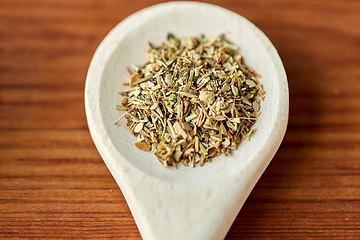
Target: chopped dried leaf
{"type": "Point", "coordinates": [193, 100]}
{"type": "Point", "coordinates": [119, 107]}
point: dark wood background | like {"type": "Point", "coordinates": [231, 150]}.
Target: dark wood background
{"type": "Point", "coordinates": [53, 182]}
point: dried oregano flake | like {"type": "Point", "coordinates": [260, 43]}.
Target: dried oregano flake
{"type": "Point", "coordinates": [193, 100]}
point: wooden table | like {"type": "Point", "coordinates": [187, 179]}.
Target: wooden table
{"type": "Point", "coordinates": [54, 184]}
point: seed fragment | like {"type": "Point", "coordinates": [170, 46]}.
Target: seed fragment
{"type": "Point", "coordinates": [144, 146]}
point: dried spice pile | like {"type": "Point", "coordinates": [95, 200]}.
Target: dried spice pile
{"type": "Point", "coordinates": [193, 100]}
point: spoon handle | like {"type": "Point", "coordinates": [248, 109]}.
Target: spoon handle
{"type": "Point", "coordinates": [165, 210]}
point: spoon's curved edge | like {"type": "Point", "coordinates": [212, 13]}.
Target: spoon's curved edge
{"type": "Point", "coordinates": [216, 205]}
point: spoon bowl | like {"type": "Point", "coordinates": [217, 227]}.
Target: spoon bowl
{"type": "Point", "coordinates": [183, 203]}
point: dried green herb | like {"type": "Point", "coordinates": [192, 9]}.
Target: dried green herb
{"type": "Point", "coordinates": [193, 100]}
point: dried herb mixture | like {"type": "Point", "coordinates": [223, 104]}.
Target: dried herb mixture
{"type": "Point", "coordinates": [193, 100]}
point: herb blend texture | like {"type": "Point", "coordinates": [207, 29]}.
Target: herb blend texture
{"type": "Point", "coordinates": [193, 100]}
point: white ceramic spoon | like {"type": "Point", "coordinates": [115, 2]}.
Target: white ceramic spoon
{"type": "Point", "coordinates": [187, 203]}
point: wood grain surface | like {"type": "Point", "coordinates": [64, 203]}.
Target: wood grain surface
{"type": "Point", "coordinates": [54, 184]}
